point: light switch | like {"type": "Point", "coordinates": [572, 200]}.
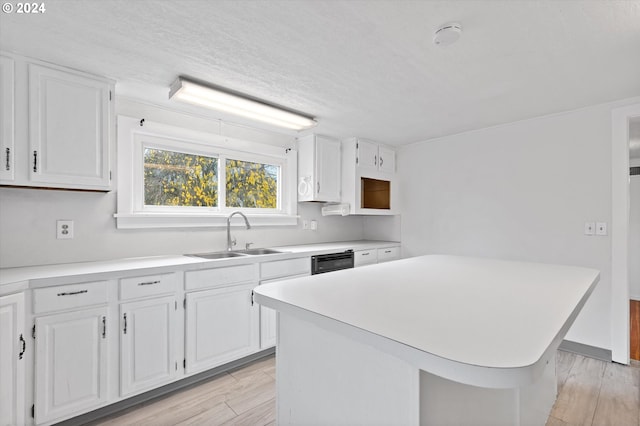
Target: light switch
{"type": "Point", "coordinates": [589, 228]}
{"type": "Point", "coordinates": [314, 225]}
{"type": "Point", "coordinates": [601, 228]}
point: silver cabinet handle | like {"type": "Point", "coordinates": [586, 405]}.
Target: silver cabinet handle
{"type": "Point", "coordinates": [318, 188]}
{"type": "Point", "coordinates": [8, 163]}
{"type": "Point", "coordinates": [375, 160]}
{"type": "Point", "coordinates": [104, 327]}
{"type": "Point", "coordinates": [124, 329]}
{"type": "Point", "coordinates": [387, 251]}
{"type": "Point", "coordinates": [71, 293]}
{"type": "Point", "coordinates": [381, 161]}
{"type": "Point", "coordinates": [366, 254]}
{"type": "Point", "coordinates": [150, 282]}
{"type": "Point", "coordinates": [35, 161]}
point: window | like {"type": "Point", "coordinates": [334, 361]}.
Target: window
{"type": "Point", "coordinates": [172, 177]}
{"type": "Point", "coordinates": [178, 179]}
{"type": "Point", "coordinates": [250, 184]}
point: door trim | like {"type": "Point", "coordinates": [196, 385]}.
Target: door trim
{"type": "Point", "coordinates": [620, 332]}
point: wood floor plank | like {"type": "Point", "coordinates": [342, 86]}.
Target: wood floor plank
{"type": "Point", "coordinates": [253, 368]}
{"type": "Point", "coordinates": [577, 402]}
{"type": "Point", "coordinates": [590, 391]}
{"type": "Point", "coordinates": [564, 362]}
{"type": "Point", "coordinates": [552, 421]}
{"type": "Point", "coordinates": [261, 415]}
{"type": "Point", "coordinates": [214, 416]}
{"type": "Point", "coordinates": [177, 406]}
{"type": "Point", "coordinates": [619, 399]}
{"type": "Point", "coordinates": [262, 388]}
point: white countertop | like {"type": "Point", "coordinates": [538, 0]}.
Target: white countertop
{"type": "Point", "coordinates": [9, 276]}
{"type": "Point", "coordinates": [488, 313]}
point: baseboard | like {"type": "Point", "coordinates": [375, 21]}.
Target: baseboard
{"type": "Point", "coordinates": [187, 382]}
{"type": "Point", "coordinates": [586, 350]}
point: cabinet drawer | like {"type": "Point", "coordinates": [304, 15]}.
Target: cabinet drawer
{"type": "Point", "coordinates": [148, 285]}
{"type": "Point", "coordinates": [284, 268]}
{"type": "Point", "coordinates": [69, 296]}
{"type": "Point", "coordinates": [388, 253]}
{"type": "Point", "coordinates": [220, 277]}
{"type": "Point", "coordinates": [365, 257]}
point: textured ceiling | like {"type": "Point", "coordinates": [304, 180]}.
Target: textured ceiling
{"type": "Point", "coordinates": [363, 68]}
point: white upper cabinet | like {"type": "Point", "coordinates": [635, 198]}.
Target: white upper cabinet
{"type": "Point", "coordinates": [68, 129]}
{"type": "Point", "coordinates": [375, 157]}
{"type": "Point", "coordinates": [369, 183]}
{"type": "Point", "coordinates": [57, 126]}
{"type": "Point", "coordinates": [319, 169]}
{"type": "Point", "coordinates": [386, 159]}
{"type": "Point", "coordinates": [6, 118]}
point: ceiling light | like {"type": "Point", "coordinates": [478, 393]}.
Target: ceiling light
{"type": "Point", "coordinates": [447, 34]}
{"type": "Point", "coordinates": [217, 98]}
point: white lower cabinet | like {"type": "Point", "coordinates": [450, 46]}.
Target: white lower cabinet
{"type": "Point", "coordinates": [12, 359]}
{"type": "Point", "coordinates": [388, 253]}
{"type": "Point", "coordinates": [70, 363]}
{"type": "Point", "coordinates": [268, 327]}
{"type": "Point", "coordinates": [80, 364]}
{"type": "Point", "coordinates": [365, 257]}
{"type": "Point", "coordinates": [221, 326]}
{"type": "Point", "coordinates": [276, 271]}
{"type": "Point", "coordinates": [371, 256]}
{"type": "Point", "coordinates": [147, 356]}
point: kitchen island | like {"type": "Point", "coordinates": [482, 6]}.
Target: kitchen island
{"type": "Point", "coordinates": [427, 340]}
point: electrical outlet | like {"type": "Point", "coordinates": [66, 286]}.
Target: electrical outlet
{"type": "Point", "coordinates": [64, 230]}
{"type": "Point", "coordinates": [601, 228]}
{"type": "Point", "coordinates": [314, 225]}
{"type": "Point", "coordinates": [589, 228]}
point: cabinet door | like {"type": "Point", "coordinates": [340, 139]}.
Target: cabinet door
{"type": "Point", "coordinates": [386, 159]}
{"type": "Point", "coordinates": [328, 169]}
{"type": "Point", "coordinates": [68, 129]}
{"type": "Point", "coordinates": [221, 326]}
{"type": "Point", "coordinates": [6, 118]}
{"type": "Point", "coordinates": [367, 155]}
{"type": "Point", "coordinates": [268, 317]}
{"type": "Point", "coordinates": [12, 349]}
{"type": "Point", "coordinates": [70, 363]}
{"type": "Point", "coordinates": [268, 327]}
{"type": "Point", "coordinates": [147, 358]}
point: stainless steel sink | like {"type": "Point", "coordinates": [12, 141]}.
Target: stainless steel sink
{"type": "Point", "coordinates": [259, 251]}
{"type": "Point", "coordinates": [216, 255]}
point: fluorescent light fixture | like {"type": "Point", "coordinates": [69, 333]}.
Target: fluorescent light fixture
{"type": "Point", "coordinates": [211, 97]}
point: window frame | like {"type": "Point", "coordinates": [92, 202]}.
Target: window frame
{"type": "Point", "coordinates": [133, 138]}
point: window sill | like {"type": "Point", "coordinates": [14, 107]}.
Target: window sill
{"type": "Point", "coordinates": [164, 220]}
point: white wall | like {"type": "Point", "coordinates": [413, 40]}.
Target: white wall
{"type": "Point", "coordinates": [634, 233]}
{"type": "Point", "coordinates": [28, 216]}
{"type": "Point", "coordinates": [382, 228]}
{"type": "Point", "coordinates": [519, 191]}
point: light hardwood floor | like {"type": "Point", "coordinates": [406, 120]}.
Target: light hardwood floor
{"type": "Point", "coordinates": [590, 392]}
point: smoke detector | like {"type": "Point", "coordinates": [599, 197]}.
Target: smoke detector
{"type": "Point", "coordinates": [447, 34]}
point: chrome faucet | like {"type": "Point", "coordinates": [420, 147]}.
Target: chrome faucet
{"type": "Point", "coordinates": [230, 243]}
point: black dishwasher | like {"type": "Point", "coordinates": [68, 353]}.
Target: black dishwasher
{"type": "Point", "coordinates": [331, 262]}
